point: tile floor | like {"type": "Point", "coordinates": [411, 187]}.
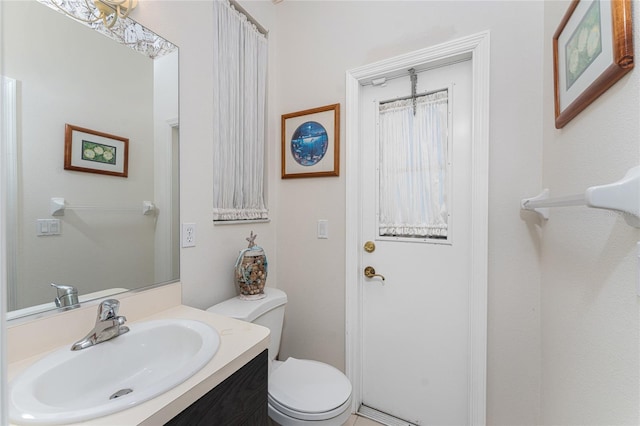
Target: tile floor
{"type": "Point", "coordinates": [360, 421]}
{"type": "Point", "coordinates": [353, 421]}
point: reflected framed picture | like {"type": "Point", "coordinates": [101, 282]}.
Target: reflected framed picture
{"type": "Point", "coordinates": [90, 151]}
{"type": "Point", "coordinates": [311, 142]}
{"type": "Point", "coordinates": [592, 50]}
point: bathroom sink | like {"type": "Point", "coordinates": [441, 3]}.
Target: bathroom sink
{"type": "Point", "coordinates": [72, 386]}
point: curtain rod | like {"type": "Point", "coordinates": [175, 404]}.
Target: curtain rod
{"type": "Point", "coordinates": [250, 18]}
{"type": "Point", "coordinates": [419, 95]}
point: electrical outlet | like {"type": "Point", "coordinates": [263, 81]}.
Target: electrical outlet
{"type": "Point", "coordinates": [188, 235]}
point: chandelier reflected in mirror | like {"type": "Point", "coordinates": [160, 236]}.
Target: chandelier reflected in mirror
{"type": "Point", "coordinates": [117, 26]}
{"type": "Point", "coordinates": [90, 11]}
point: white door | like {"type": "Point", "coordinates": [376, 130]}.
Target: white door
{"type": "Point", "coordinates": [415, 323]}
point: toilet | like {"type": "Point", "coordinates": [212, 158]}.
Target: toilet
{"type": "Point", "coordinates": [301, 392]}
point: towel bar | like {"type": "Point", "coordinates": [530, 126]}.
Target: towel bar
{"type": "Point", "coordinates": [622, 196]}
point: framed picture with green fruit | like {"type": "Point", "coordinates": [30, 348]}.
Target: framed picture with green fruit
{"type": "Point", "coordinates": [592, 50]}
{"type": "Point", "coordinates": [311, 142]}
{"type": "Point", "coordinates": [87, 150]}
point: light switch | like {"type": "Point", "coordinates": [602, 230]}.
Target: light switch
{"type": "Point", "coordinates": [42, 226]}
{"type": "Point", "coordinates": [323, 229]}
{"type": "Point", "coordinates": [46, 227]}
{"type": "Point", "coordinates": [54, 226]}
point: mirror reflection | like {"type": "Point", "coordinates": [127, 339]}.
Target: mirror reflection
{"type": "Point", "coordinates": [101, 233]}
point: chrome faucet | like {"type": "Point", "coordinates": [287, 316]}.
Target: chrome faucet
{"type": "Point", "coordinates": [67, 296]}
{"type": "Point", "coordinates": [108, 325]}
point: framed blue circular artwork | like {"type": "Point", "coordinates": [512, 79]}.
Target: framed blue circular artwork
{"type": "Point", "coordinates": [309, 143]}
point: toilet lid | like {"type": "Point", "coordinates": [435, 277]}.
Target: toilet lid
{"type": "Point", "coordinates": [306, 386]}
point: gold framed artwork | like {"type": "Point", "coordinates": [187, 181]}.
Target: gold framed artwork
{"type": "Point", "coordinates": [592, 50]}
{"type": "Point", "coordinates": [311, 142]}
{"type": "Point", "coordinates": [90, 151]}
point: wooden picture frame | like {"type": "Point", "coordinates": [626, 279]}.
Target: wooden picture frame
{"type": "Point", "coordinates": [592, 50]}
{"type": "Point", "coordinates": [90, 151]}
{"type": "Point", "coordinates": [311, 143]}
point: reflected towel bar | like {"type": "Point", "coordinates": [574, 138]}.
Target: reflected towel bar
{"type": "Point", "coordinates": [622, 196]}
{"type": "Point", "coordinates": [58, 205]}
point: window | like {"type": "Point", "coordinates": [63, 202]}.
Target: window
{"type": "Point", "coordinates": [240, 79]}
{"type": "Point", "coordinates": [413, 156]}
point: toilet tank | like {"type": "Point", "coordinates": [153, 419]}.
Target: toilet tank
{"type": "Point", "coordinates": [267, 312]}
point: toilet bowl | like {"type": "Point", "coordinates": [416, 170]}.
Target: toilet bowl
{"type": "Point", "coordinates": [305, 391]}
{"type": "Point", "coordinates": [301, 392]}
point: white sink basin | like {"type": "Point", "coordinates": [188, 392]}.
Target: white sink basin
{"type": "Point", "coordinates": [72, 386]}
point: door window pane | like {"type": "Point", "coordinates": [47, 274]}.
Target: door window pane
{"type": "Point", "coordinates": [413, 172]}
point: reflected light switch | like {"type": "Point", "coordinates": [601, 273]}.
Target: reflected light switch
{"type": "Point", "coordinates": [42, 227]}
{"type": "Point", "coordinates": [54, 226]}
{"type": "Point", "coordinates": [46, 227]}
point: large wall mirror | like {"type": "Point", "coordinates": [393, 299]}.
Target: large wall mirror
{"type": "Point", "coordinates": [111, 233]}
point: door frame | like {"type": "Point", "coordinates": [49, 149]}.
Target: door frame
{"type": "Point", "coordinates": [8, 212]}
{"type": "Point", "coordinates": [476, 48]}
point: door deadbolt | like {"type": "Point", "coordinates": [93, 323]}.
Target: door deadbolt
{"type": "Point", "coordinates": [370, 272]}
{"type": "Point", "coordinates": [369, 246]}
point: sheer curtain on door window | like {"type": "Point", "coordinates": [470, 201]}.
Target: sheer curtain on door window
{"type": "Point", "coordinates": [413, 156]}
{"type": "Point", "coordinates": [240, 76]}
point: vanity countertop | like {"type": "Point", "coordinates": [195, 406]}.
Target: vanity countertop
{"type": "Point", "coordinates": [240, 342]}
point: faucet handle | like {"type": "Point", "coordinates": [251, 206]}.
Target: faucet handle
{"type": "Point", "coordinates": [67, 295]}
{"type": "Point", "coordinates": [64, 290]}
{"type": "Point", "coordinates": [108, 309]}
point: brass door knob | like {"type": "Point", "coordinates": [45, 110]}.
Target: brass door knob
{"type": "Point", "coordinates": [370, 272]}
{"type": "Point", "coordinates": [369, 246]}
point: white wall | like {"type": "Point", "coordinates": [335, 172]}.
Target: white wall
{"type": "Point", "coordinates": [317, 41]}
{"type": "Point", "coordinates": [65, 76]}
{"type": "Point", "coordinates": [590, 339]}
{"type": "Point", "coordinates": [312, 44]}
{"type": "Point", "coordinates": [166, 117]}
{"type": "Point", "coordinates": [589, 311]}
{"type": "Point", "coordinates": [206, 270]}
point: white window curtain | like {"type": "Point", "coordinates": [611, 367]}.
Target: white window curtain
{"type": "Point", "coordinates": [239, 93]}
{"type": "Point", "coordinates": [413, 167]}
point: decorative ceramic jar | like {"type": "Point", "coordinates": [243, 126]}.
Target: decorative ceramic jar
{"type": "Point", "coordinates": [251, 271]}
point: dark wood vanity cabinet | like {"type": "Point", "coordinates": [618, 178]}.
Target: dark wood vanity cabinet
{"type": "Point", "coordinates": [239, 400]}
